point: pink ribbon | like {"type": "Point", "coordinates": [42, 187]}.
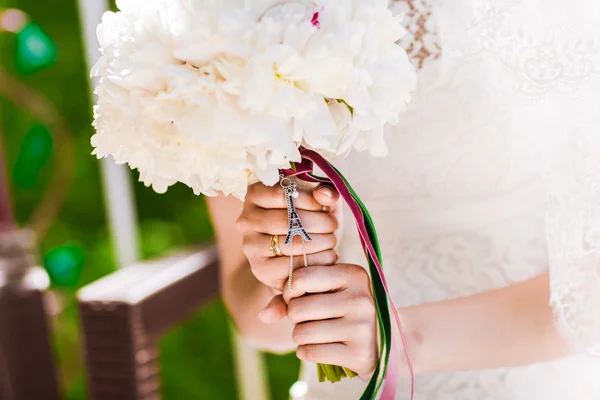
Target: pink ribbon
{"type": "Point", "coordinates": [303, 171]}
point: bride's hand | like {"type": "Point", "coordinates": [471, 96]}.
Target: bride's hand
{"type": "Point", "coordinates": [334, 317]}
{"type": "Point", "coordinates": [265, 215]}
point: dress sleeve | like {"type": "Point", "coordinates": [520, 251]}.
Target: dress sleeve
{"type": "Point", "coordinates": [565, 60]}
{"type": "Point", "coordinates": [573, 213]}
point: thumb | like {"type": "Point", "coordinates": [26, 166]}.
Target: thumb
{"type": "Point", "coordinates": [275, 311]}
{"type": "Point", "coordinates": [327, 196]}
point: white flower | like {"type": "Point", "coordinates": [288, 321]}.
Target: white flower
{"type": "Point", "coordinates": [217, 93]}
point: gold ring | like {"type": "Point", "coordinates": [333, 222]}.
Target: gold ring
{"type": "Point", "coordinates": [274, 249]}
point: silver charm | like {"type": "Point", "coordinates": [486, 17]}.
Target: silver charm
{"type": "Point", "coordinates": [295, 227]}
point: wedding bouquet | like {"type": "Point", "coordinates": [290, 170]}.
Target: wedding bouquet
{"type": "Point", "coordinates": [218, 94]}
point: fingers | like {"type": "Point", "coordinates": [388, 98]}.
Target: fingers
{"type": "Point", "coordinates": [274, 311]}
{"type": "Point", "coordinates": [361, 360]}
{"type": "Point", "coordinates": [317, 307]}
{"type": "Point", "coordinates": [320, 279]}
{"type": "Point", "coordinates": [334, 317]}
{"type": "Point", "coordinates": [320, 242]}
{"type": "Point", "coordinates": [274, 271]}
{"type": "Point", "coordinates": [271, 197]}
{"type": "Point", "coordinates": [275, 222]}
{"type": "Point", "coordinates": [330, 353]}
{"type": "Point", "coordinates": [341, 341]}
{"type": "Point", "coordinates": [339, 330]}
{"type": "Point", "coordinates": [327, 306]}
{"type": "Point", "coordinates": [330, 331]}
{"type": "Point", "coordinates": [327, 196]}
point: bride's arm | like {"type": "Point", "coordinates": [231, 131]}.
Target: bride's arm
{"type": "Point", "coordinates": [244, 295]}
{"type": "Point", "coordinates": [507, 327]}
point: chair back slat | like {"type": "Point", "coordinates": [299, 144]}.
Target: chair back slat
{"type": "Point", "coordinates": [124, 314]}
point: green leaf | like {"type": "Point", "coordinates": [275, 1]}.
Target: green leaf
{"type": "Point", "coordinates": [34, 49]}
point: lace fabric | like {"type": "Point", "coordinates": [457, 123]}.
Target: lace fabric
{"type": "Point", "coordinates": [493, 177]}
{"type": "Point", "coordinates": [422, 40]}
{"type": "Point", "coordinates": [573, 223]}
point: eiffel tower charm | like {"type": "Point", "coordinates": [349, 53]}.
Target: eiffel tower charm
{"type": "Point", "coordinates": [295, 227]}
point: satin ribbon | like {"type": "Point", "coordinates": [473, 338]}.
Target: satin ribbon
{"type": "Point", "coordinates": [304, 171]}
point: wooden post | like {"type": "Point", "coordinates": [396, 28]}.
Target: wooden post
{"type": "Point", "coordinates": [26, 357]}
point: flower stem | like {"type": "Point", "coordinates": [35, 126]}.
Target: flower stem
{"type": "Point", "coordinates": [333, 373]}
{"type": "Point", "coordinates": [321, 373]}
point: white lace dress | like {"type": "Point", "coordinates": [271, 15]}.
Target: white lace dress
{"type": "Point", "coordinates": [493, 177]}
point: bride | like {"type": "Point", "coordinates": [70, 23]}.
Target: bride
{"type": "Point", "coordinates": [488, 210]}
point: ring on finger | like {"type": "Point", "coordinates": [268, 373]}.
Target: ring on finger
{"type": "Point", "coordinates": [274, 249]}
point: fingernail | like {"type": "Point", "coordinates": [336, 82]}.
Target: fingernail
{"type": "Point", "coordinates": [263, 310]}
{"type": "Point", "coordinates": [326, 191]}
{"type": "Point", "coordinates": [262, 314]}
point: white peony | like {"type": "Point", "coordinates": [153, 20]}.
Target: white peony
{"type": "Point", "coordinates": [217, 93]}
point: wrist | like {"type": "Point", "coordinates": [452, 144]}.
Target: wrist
{"type": "Point", "coordinates": [415, 341]}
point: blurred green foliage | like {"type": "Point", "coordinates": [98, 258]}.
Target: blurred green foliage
{"type": "Point", "coordinates": [196, 357]}
{"type": "Point", "coordinates": [34, 153]}
{"type": "Point", "coordinates": [34, 50]}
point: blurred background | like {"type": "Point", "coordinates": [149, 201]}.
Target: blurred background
{"type": "Point", "coordinates": [46, 162]}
